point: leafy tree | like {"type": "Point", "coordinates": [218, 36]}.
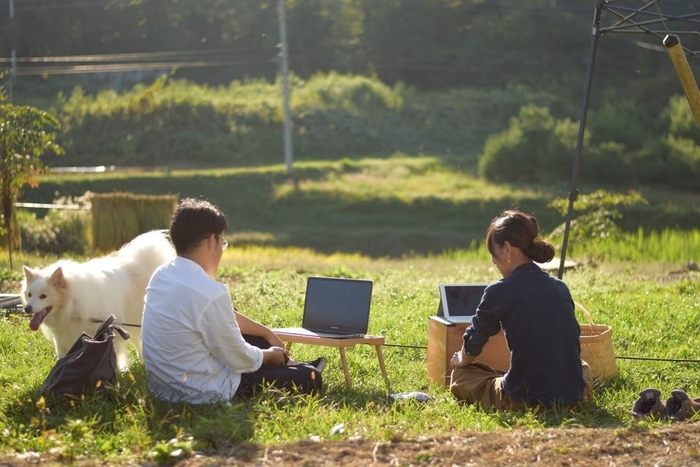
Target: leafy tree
{"type": "Point", "coordinates": [26, 133]}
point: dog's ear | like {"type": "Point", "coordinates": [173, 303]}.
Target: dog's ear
{"type": "Point", "coordinates": [29, 273]}
{"type": "Point", "coordinates": [57, 279]}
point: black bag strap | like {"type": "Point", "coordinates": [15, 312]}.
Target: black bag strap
{"type": "Point", "coordinates": [122, 332]}
{"type": "Point", "coordinates": [104, 327]}
{"type": "Point", "coordinates": [107, 325]}
{"type": "Point", "coordinates": [95, 320]}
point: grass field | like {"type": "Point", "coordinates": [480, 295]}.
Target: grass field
{"type": "Point", "coordinates": [376, 206]}
{"type": "Point", "coordinates": [640, 284]}
{"type": "Point", "coordinates": [653, 311]}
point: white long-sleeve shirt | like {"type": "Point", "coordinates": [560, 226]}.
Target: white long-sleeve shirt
{"type": "Point", "coordinates": [192, 346]}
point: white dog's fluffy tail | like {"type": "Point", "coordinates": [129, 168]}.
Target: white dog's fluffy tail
{"type": "Point", "coordinates": [149, 250]}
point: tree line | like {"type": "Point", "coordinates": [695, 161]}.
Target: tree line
{"type": "Point", "coordinates": [412, 76]}
{"type": "Point", "coordinates": [429, 44]}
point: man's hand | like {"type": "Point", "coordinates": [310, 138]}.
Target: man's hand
{"type": "Point", "coordinates": [274, 340]}
{"type": "Point", "coordinates": [274, 356]}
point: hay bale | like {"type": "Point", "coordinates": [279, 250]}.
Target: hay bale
{"type": "Point", "coordinates": [119, 217]}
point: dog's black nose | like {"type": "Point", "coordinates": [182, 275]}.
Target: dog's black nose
{"type": "Point", "coordinates": [28, 308]}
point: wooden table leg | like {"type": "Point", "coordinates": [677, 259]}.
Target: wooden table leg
{"type": "Point", "coordinates": [345, 366]}
{"type": "Point", "coordinates": [380, 357]}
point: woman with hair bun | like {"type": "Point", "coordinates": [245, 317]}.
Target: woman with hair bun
{"type": "Point", "coordinates": [536, 312]}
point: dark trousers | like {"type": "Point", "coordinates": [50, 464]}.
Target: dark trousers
{"type": "Point", "coordinates": [302, 377]}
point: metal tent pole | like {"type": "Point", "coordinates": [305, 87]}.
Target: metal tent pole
{"type": "Point", "coordinates": [573, 190]}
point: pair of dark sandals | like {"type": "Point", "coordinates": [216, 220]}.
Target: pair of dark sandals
{"type": "Point", "coordinates": [650, 406]}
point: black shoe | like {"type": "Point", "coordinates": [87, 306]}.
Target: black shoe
{"type": "Point", "coordinates": [319, 364]}
{"type": "Point", "coordinates": [648, 406]}
{"type": "Point", "coordinates": [680, 407]}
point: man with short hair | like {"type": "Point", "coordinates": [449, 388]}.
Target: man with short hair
{"type": "Point", "coordinates": [196, 347]}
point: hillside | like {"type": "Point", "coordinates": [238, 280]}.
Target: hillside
{"type": "Point", "coordinates": [378, 207]}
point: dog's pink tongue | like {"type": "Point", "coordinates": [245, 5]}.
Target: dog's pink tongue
{"type": "Point", "coordinates": [37, 318]}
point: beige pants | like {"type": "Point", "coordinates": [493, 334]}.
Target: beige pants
{"type": "Point", "coordinates": [480, 384]}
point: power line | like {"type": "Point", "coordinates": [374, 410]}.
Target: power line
{"type": "Point", "coordinates": [126, 62]}
{"type": "Point", "coordinates": [115, 57]}
{"type": "Point", "coordinates": [42, 5]}
{"type": "Point", "coordinates": [125, 67]}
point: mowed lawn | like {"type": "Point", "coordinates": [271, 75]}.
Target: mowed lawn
{"type": "Point", "coordinates": [652, 307]}
{"type": "Point", "coordinates": [642, 283]}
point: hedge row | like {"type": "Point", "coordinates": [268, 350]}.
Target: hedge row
{"type": "Point", "coordinates": [181, 124]}
{"type": "Point", "coordinates": [521, 136]}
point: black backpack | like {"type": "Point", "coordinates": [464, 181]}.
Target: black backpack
{"type": "Point", "coordinates": [89, 366]}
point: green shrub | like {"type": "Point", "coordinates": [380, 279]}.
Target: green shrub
{"type": "Point", "coordinates": [608, 162]}
{"type": "Point", "coordinates": [681, 121]}
{"type": "Point", "coordinates": [535, 148]}
{"type": "Point", "coordinates": [596, 215]}
{"type": "Point", "coordinates": [628, 149]}
{"type": "Point", "coordinates": [175, 123]}
{"type": "Point", "coordinates": [621, 121]}
{"type": "Point", "coordinates": [59, 231]}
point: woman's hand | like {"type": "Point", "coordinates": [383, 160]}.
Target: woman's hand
{"type": "Point", "coordinates": [460, 359]}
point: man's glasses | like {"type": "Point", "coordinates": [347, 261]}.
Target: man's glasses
{"type": "Point", "coordinates": [224, 242]}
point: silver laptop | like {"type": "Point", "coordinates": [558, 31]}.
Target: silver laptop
{"type": "Point", "coordinates": [335, 307]}
{"type": "Point", "coordinates": [458, 302]}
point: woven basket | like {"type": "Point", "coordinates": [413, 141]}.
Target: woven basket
{"type": "Point", "coordinates": [597, 348]}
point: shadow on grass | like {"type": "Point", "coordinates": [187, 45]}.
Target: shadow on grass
{"type": "Point", "coordinates": [131, 408]}
{"type": "Point", "coordinates": [589, 415]}
{"type": "Point", "coordinates": [355, 398]}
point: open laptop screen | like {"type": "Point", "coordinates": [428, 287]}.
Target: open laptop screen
{"type": "Point", "coordinates": [337, 305]}
{"type": "Point", "coordinates": [460, 301]}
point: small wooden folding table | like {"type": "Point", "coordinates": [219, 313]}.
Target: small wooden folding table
{"type": "Point", "coordinates": [341, 344]}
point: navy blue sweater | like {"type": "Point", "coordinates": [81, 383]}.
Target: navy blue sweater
{"type": "Point", "coordinates": [536, 312]}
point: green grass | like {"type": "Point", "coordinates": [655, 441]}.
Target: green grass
{"type": "Point", "coordinates": [375, 207]}
{"type": "Point", "coordinates": [665, 245]}
{"type": "Point", "coordinates": [653, 314]}
{"type": "Point", "coordinates": [407, 223]}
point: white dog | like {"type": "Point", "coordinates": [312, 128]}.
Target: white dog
{"type": "Point", "coordinates": [70, 298]}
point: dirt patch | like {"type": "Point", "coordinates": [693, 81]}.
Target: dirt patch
{"type": "Point", "coordinates": [660, 446]}
{"type": "Point", "coordinates": [666, 445]}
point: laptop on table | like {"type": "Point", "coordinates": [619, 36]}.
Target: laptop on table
{"type": "Point", "coordinates": [458, 302]}
{"type": "Point", "coordinates": [335, 308]}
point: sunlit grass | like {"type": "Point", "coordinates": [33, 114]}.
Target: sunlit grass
{"type": "Point", "coordinates": [653, 314]}
{"type": "Point", "coordinates": [642, 284]}
{"type": "Point", "coordinates": [405, 179]}
{"type": "Point", "coordinates": [667, 246]}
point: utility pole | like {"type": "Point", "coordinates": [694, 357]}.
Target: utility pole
{"type": "Point", "coordinates": [287, 132]}
{"type": "Point", "coordinates": [13, 56]}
